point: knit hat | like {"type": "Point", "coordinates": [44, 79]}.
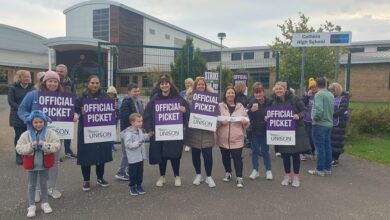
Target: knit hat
{"type": "Point", "coordinates": [111, 90]}
{"type": "Point", "coordinates": [312, 83]}
{"type": "Point", "coordinates": [40, 75]}
{"type": "Point", "coordinates": [29, 120]}
{"type": "Point", "coordinates": [51, 75]}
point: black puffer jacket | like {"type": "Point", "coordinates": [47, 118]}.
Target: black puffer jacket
{"type": "Point", "coordinates": [339, 124]}
{"type": "Point", "coordinates": [16, 93]}
{"type": "Point", "coordinates": [128, 108]}
{"type": "Point", "coordinates": [163, 149]}
{"type": "Point", "coordinates": [258, 124]}
{"type": "Point", "coordinates": [241, 97]}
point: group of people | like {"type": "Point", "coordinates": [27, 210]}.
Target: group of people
{"type": "Point", "coordinates": [315, 134]}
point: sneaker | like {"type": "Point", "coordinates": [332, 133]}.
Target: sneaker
{"type": "Point", "coordinates": [46, 208]}
{"type": "Point", "coordinates": [335, 163]}
{"type": "Point", "coordinates": [54, 193]}
{"type": "Point", "coordinates": [303, 157]}
{"type": "Point", "coordinates": [177, 181]}
{"type": "Point", "coordinates": [37, 195]}
{"type": "Point", "coordinates": [286, 180]}
{"type": "Point", "coordinates": [71, 155]}
{"type": "Point", "coordinates": [186, 149]}
{"type": "Point", "coordinates": [210, 182]}
{"type": "Point", "coordinates": [316, 172]}
{"type": "Point", "coordinates": [277, 154]}
{"type": "Point", "coordinates": [328, 172]}
{"type": "Point", "coordinates": [122, 177]}
{"type": "Point", "coordinates": [227, 177]}
{"type": "Point", "coordinates": [254, 175]}
{"type": "Point", "coordinates": [102, 182]}
{"type": "Point", "coordinates": [160, 182]}
{"type": "Point", "coordinates": [133, 191]}
{"type": "Point", "coordinates": [240, 182]}
{"type": "Point", "coordinates": [268, 175]}
{"type": "Point", "coordinates": [295, 181]}
{"type": "Point", "coordinates": [86, 186]}
{"type": "Point", "coordinates": [31, 211]}
{"type": "Point", "coordinates": [140, 190]}
{"type": "Point", "coordinates": [198, 179]}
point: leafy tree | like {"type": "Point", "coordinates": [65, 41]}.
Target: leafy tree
{"type": "Point", "coordinates": [196, 64]}
{"type": "Point", "coordinates": [319, 61]}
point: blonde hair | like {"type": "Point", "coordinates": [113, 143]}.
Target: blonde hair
{"type": "Point", "coordinates": [19, 74]}
{"type": "Point", "coordinates": [134, 116]}
{"type": "Point", "coordinates": [282, 84]}
{"type": "Point", "coordinates": [336, 88]}
{"type": "Point", "coordinates": [240, 87]}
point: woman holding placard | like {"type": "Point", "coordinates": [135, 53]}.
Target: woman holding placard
{"type": "Point", "coordinates": [231, 133]}
{"type": "Point", "coordinates": [200, 141]}
{"type": "Point", "coordinates": [284, 97]}
{"type": "Point", "coordinates": [163, 150]}
{"type": "Point", "coordinates": [89, 154]}
{"type": "Point", "coordinates": [50, 83]}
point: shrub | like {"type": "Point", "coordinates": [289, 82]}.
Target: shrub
{"type": "Point", "coordinates": [369, 121]}
{"type": "Point", "coordinates": [4, 89]}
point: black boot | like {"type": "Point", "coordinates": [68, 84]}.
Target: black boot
{"type": "Point", "coordinates": [19, 159]}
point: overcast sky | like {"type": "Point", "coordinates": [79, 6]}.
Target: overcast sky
{"type": "Point", "coordinates": [245, 22]}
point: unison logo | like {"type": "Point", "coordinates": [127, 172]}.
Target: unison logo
{"type": "Point", "coordinates": [99, 134]}
{"type": "Point", "coordinates": [201, 121]}
{"type": "Point", "coordinates": [275, 137]}
{"type": "Point", "coordinates": [167, 132]}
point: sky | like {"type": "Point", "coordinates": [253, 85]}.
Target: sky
{"type": "Point", "coordinates": [245, 22]}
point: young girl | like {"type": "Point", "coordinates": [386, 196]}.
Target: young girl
{"type": "Point", "coordinates": [38, 145]}
{"type": "Point", "coordinates": [134, 139]}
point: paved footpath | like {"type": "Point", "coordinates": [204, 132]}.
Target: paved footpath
{"type": "Point", "coordinates": [357, 189]}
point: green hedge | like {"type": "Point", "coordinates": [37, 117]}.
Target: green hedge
{"type": "Point", "coordinates": [4, 89]}
{"type": "Point", "coordinates": [369, 121]}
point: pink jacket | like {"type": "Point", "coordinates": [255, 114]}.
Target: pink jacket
{"type": "Point", "coordinates": [231, 136]}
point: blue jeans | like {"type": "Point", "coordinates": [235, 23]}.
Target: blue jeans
{"type": "Point", "coordinates": [259, 144]}
{"type": "Point", "coordinates": [321, 138]}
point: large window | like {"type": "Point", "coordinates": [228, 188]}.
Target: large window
{"type": "Point", "coordinates": [211, 56]}
{"type": "Point", "coordinates": [249, 55]}
{"type": "Point", "coordinates": [124, 81]}
{"type": "Point", "coordinates": [266, 54]}
{"type": "Point", "coordinates": [236, 56]}
{"type": "Point", "coordinates": [382, 48]}
{"type": "Point", "coordinates": [356, 50]}
{"type": "Point", "coordinates": [3, 76]}
{"type": "Point", "coordinates": [145, 82]}
{"type": "Point", "coordinates": [101, 24]}
{"type": "Point", "coordinates": [261, 77]}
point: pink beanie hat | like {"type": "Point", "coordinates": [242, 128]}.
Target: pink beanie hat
{"type": "Point", "coordinates": [51, 75]}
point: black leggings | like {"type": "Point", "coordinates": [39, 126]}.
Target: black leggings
{"type": "Point", "coordinates": [287, 162]}
{"type": "Point", "coordinates": [136, 173]}
{"type": "Point", "coordinates": [18, 132]}
{"type": "Point", "coordinates": [237, 160]}
{"type": "Point", "coordinates": [207, 158]}
{"type": "Point", "coordinates": [175, 166]}
{"type": "Point", "coordinates": [86, 171]}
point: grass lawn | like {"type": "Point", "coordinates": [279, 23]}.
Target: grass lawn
{"type": "Point", "coordinates": [371, 148]}
{"type": "Point", "coordinates": [368, 105]}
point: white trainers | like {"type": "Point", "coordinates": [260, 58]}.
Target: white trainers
{"type": "Point", "coordinates": [177, 181]}
{"type": "Point", "coordinates": [54, 193]}
{"type": "Point", "coordinates": [295, 181]}
{"type": "Point", "coordinates": [160, 182]}
{"type": "Point", "coordinates": [254, 175]}
{"type": "Point", "coordinates": [240, 182]}
{"type": "Point", "coordinates": [37, 195]}
{"type": "Point", "coordinates": [228, 177]}
{"type": "Point", "coordinates": [31, 211]}
{"type": "Point", "coordinates": [186, 148]}
{"type": "Point", "coordinates": [286, 180]}
{"type": "Point", "coordinates": [46, 208]}
{"type": "Point", "coordinates": [198, 179]}
{"type": "Point", "coordinates": [316, 172]}
{"type": "Point", "coordinates": [210, 181]}
{"type": "Point", "coordinates": [268, 175]}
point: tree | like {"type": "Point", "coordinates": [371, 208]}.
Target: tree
{"type": "Point", "coordinates": [188, 63]}
{"type": "Point", "coordinates": [319, 61]}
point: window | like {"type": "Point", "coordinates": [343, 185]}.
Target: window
{"type": "Point", "coordinates": [134, 79]}
{"type": "Point", "coordinates": [356, 50]}
{"type": "Point", "coordinates": [261, 77]}
{"type": "Point", "coordinates": [3, 76]}
{"type": "Point", "coordinates": [382, 48]}
{"type": "Point", "coordinates": [249, 55]}
{"type": "Point", "coordinates": [211, 56]}
{"type": "Point", "coordinates": [145, 82]}
{"type": "Point", "coordinates": [167, 36]}
{"type": "Point", "coordinates": [236, 56]}
{"type": "Point", "coordinates": [152, 31]}
{"type": "Point", "coordinates": [101, 23]}
{"type": "Point", "coordinates": [124, 81]}
{"type": "Point", "coordinates": [266, 54]}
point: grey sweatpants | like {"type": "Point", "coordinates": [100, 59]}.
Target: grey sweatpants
{"type": "Point", "coordinates": [32, 185]}
{"type": "Point", "coordinates": [52, 174]}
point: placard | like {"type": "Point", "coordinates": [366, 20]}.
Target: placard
{"type": "Point", "coordinates": [168, 120]}
{"type": "Point", "coordinates": [280, 125]}
{"type": "Point", "coordinates": [204, 111]}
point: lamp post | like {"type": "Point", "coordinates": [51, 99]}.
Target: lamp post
{"type": "Point", "coordinates": [221, 36]}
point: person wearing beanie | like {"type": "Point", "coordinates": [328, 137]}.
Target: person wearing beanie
{"type": "Point", "coordinates": [50, 83]}
{"type": "Point", "coordinates": [38, 145]}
